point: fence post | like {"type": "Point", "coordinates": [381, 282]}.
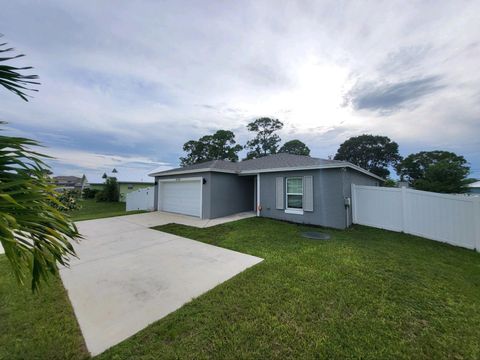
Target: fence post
{"type": "Point", "coordinates": [476, 221]}
{"type": "Point", "coordinates": [404, 208]}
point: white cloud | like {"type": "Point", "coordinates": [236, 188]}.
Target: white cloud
{"type": "Point", "coordinates": [96, 161]}
{"type": "Point", "coordinates": [133, 168]}
{"type": "Point", "coordinates": [138, 80]}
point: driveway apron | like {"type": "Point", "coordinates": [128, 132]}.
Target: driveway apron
{"type": "Point", "coordinates": [129, 276]}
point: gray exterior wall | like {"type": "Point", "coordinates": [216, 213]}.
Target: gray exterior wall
{"type": "Point", "coordinates": [330, 187]}
{"type": "Point", "coordinates": [223, 194]}
{"type": "Point", "coordinates": [328, 209]}
{"type": "Point", "coordinates": [231, 194]}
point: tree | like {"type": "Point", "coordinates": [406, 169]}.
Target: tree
{"type": "Point", "coordinates": [295, 147]}
{"type": "Point", "coordinates": [389, 183]}
{"type": "Point", "coordinates": [265, 141]}
{"type": "Point", "coordinates": [197, 151]}
{"type": "Point", "coordinates": [371, 152]}
{"type": "Point", "coordinates": [224, 146]}
{"type": "Point", "coordinates": [110, 191]}
{"type": "Point", "coordinates": [219, 146]}
{"type": "Point", "coordinates": [36, 237]}
{"type": "Point", "coordinates": [438, 171]}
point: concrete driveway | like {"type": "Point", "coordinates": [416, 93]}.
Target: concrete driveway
{"type": "Point", "coordinates": [129, 276]}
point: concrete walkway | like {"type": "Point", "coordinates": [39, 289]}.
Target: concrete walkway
{"type": "Point", "coordinates": [129, 276]}
{"type": "Point", "coordinates": [156, 218]}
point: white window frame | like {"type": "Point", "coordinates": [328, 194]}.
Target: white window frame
{"type": "Point", "coordinates": [293, 210]}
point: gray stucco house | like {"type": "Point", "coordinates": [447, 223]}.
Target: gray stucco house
{"type": "Point", "coordinates": [288, 187]}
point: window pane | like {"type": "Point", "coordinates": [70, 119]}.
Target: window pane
{"type": "Point", "coordinates": [295, 185]}
{"type": "Point", "coordinates": [294, 201]}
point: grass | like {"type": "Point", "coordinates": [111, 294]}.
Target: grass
{"type": "Point", "coordinates": [366, 293]}
{"type": "Point", "coordinates": [91, 209]}
{"type": "Point", "coordinates": [43, 326]}
{"type": "Point", "coordinates": [37, 326]}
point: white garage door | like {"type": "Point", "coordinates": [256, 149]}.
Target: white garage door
{"type": "Point", "coordinates": [183, 197]}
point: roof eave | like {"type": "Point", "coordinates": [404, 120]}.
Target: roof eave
{"type": "Point", "coordinates": [253, 172]}
{"type": "Point", "coordinates": [312, 167]}
{"type": "Point", "coordinates": [366, 172]}
{"type": "Point", "coordinates": [125, 182]}
{"type": "Point", "coordinates": [182, 172]}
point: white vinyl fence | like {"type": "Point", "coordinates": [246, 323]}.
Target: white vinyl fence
{"type": "Point", "coordinates": [141, 199]}
{"type": "Point", "coordinates": [454, 219]}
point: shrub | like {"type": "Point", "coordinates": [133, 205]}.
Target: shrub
{"type": "Point", "coordinates": [101, 196]}
{"type": "Point", "coordinates": [90, 193]}
{"type": "Point", "coordinates": [66, 200]}
{"type": "Point", "coordinates": [75, 193]}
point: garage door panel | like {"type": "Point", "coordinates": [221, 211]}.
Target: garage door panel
{"type": "Point", "coordinates": [182, 197]}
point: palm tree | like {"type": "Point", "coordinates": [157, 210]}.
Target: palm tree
{"type": "Point", "coordinates": [36, 237]}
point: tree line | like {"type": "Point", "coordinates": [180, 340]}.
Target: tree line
{"type": "Point", "coordinates": [438, 171]}
{"type": "Point", "coordinates": [223, 146]}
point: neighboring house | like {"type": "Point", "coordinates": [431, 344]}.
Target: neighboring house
{"type": "Point", "coordinates": [474, 188]}
{"type": "Point", "coordinates": [63, 183]}
{"type": "Point", "coordinates": [124, 187]}
{"type": "Point", "coordinates": [287, 187]}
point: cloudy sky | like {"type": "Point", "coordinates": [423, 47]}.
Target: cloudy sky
{"type": "Point", "coordinates": [126, 83]}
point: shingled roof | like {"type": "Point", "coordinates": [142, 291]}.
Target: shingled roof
{"type": "Point", "coordinates": [263, 164]}
{"type": "Point", "coordinates": [279, 161]}
{"type": "Point", "coordinates": [213, 165]}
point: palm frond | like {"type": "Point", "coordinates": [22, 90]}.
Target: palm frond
{"type": "Point", "coordinates": [11, 77]}
{"type": "Point", "coordinates": [35, 235]}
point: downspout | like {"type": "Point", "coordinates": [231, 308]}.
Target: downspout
{"type": "Point", "coordinates": [346, 208]}
{"type": "Point", "coordinates": [156, 194]}
{"type": "Point", "coordinates": [258, 194]}
{"type": "Point", "coordinates": [346, 199]}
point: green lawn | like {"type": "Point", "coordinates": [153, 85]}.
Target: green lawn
{"type": "Point", "coordinates": [37, 326]}
{"type": "Point", "coordinates": [42, 326]}
{"type": "Point", "coordinates": [91, 209]}
{"type": "Point", "coordinates": [366, 293]}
